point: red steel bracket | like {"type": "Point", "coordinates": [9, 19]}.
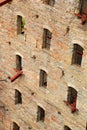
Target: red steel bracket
{"type": "Point", "coordinates": [2, 2]}
{"type": "Point", "coordinates": [16, 75]}
{"type": "Point", "coordinates": [83, 16]}
{"type": "Point", "coordinates": [72, 106]}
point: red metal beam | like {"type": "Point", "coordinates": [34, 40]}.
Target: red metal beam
{"type": "Point", "coordinates": [16, 75]}
{"type": "Point", "coordinates": [83, 16]}
{"type": "Point", "coordinates": [72, 106]}
{"type": "Point", "coordinates": [2, 2]}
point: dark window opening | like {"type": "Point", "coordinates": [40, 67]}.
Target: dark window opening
{"type": "Point", "coordinates": [66, 128]}
{"type": "Point", "coordinates": [71, 99]}
{"type": "Point", "coordinates": [20, 24]}
{"type": "Point", "coordinates": [47, 35]}
{"type": "Point", "coordinates": [18, 62]}
{"type": "Point", "coordinates": [40, 114]}
{"type": "Point", "coordinates": [72, 95]}
{"type": "Point", "coordinates": [82, 11]}
{"type": "Point", "coordinates": [15, 126]}
{"type": "Point", "coordinates": [77, 54]}
{"type": "Point", "coordinates": [49, 2]}
{"type": "Point", "coordinates": [83, 7]}
{"type": "Point", "coordinates": [43, 79]}
{"type": "Point", "coordinates": [86, 126]}
{"type": "Point", "coordinates": [18, 97]}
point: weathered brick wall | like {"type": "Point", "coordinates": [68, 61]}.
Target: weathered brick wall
{"type": "Point", "coordinates": [53, 61]}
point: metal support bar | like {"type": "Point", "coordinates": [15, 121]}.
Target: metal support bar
{"type": "Point", "coordinates": [16, 75]}
{"type": "Point", "coordinates": [72, 106]}
{"type": "Point", "coordinates": [2, 2]}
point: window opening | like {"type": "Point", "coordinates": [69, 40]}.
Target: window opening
{"type": "Point", "coordinates": [82, 11]}
{"type": "Point", "coordinates": [18, 97]}
{"type": "Point", "coordinates": [66, 128]}
{"type": "Point", "coordinates": [71, 99]}
{"type": "Point", "coordinates": [20, 24]}
{"type": "Point", "coordinates": [77, 54]}
{"type": "Point", "coordinates": [47, 35]}
{"type": "Point", "coordinates": [18, 68]}
{"type": "Point", "coordinates": [86, 126]}
{"type": "Point", "coordinates": [40, 114]}
{"type": "Point", "coordinates": [72, 95]}
{"type": "Point", "coordinates": [49, 2]}
{"type": "Point", "coordinates": [18, 62]}
{"type": "Point", "coordinates": [15, 126]}
{"type": "Point", "coordinates": [83, 6]}
{"type": "Point", "coordinates": [43, 79]}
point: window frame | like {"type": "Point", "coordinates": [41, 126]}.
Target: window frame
{"type": "Point", "coordinates": [47, 36]}
{"type": "Point", "coordinates": [18, 62]}
{"type": "Point", "coordinates": [86, 125]}
{"type": "Point", "coordinates": [15, 126]}
{"type": "Point", "coordinates": [43, 79]}
{"type": "Point", "coordinates": [66, 128]}
{"type": "Point", "coordinates": [20, 24]}
{"type": "Point", "coordinates": [82, 6]}
{"type": "Point", "coordinates": [71, 95]}
{"type": "Point", "coordinates": [49, 2]}
{"type": "Point", "coordinates": [40, 114]}
{"type": "Point", "coordinates": [77, 54]}
{"type": "Point", "coordinates": [18, 97]}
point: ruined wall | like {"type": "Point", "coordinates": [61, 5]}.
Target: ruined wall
{"type": "Point", "coordinates": [55, 61]}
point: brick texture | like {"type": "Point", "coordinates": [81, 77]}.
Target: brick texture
{"type": "Point", "coordinates": [56, 62]}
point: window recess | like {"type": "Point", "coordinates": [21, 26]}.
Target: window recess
{"type": "Point", "coordinates": [77, 54]}
{"type": "Point", "coordinates": [15, 126]}
{"type": "Point", "coordinates": [18, 97]}
{"type": "Point", "coordinates": [66, 128]}
{"type": "Point", "coordinates": [82, 11]}
{"type": "Point", "coordinates": [18, 62]}
{"type": "Point", "coordinates": [71, 99]}
{"type": "Point", "coordinates": [86, 126]}
{"type": "Point", "coordinates": [40, 114]}
{"type": "Point", "coordinates": [47, 36]}
{"type": "Point", "coordinates": [49, 2]}
{"type": "Point", "coordinates": [18, 68]}
{"type": "Point", "coordinates": [20, 24]}
{"type": "Point", "coordinates": [43, 79]}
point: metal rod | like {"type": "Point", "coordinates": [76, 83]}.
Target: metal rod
{"type": "Point", "coordinates": [3, 80]}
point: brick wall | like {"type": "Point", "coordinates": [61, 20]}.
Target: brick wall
{"type": "Point", "coordinates": [54, 61]}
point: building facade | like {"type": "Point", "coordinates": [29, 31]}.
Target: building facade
{"type": "Point", "coordinates": [43, 59]}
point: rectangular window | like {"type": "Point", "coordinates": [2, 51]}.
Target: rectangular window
{"type": "Point", "coordinates": [15, 126]}
{"type": "Point", "coordinates": [72, 95]}
{"type": "Point", "coordinates": [43, 79]}
{"type": "Point", "coordinates": [83, 6]}
{"type": "Point", "coordinates": [20, 24]}
{"type": "Point", "coordinates": [40, 114]}
{"type": "Point", "coordinates": [18, 97]}
{"type": "Point", "coordinates": [71, 99]}
{"type": "Point", "coordinates": [49, 2]}
{"type": "Point", "coordinates": [47, 35]}
{"type": "Point", "coordinates": [66, 128]}
{"type": "Point", "coordinates": [77, 54]}
{"type": "Point", "coordinates": [18, 62]}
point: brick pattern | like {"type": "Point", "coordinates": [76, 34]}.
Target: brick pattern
{"type": "Point", "coordinates": [56, 62]}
